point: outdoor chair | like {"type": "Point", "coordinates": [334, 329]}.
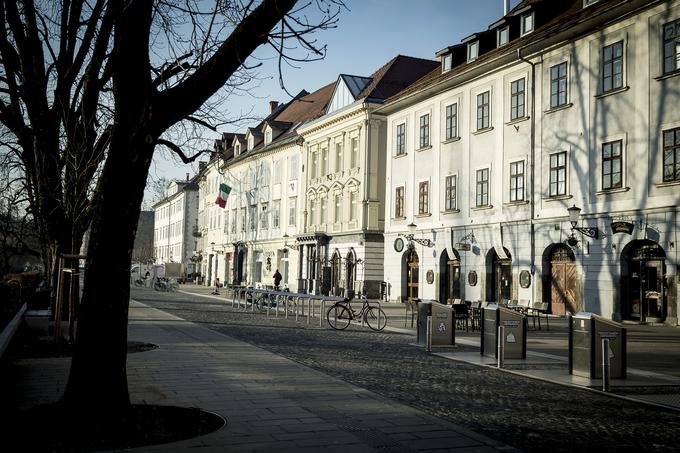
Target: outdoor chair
{"type": "Point", "coordinates": [462, 316]}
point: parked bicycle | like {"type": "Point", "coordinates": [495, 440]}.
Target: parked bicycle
{"type": "Point", "coordinates": [341, 313]}
{"type": "Point", "coordinates": [165, 284]}
{"type": "Point", "coordinates": [263, 301]}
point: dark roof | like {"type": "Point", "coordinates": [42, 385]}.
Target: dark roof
{"type": "Point", "coordinates": [307, 108]}
{"type": "Point", "coordinates": [279, 125]}
{"type": "Point", "coordinates": [355, 84]}
{"type": "Point", "coordinates": [398, 73]}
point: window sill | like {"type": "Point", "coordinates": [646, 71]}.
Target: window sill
{"type": "Point", "coordinates": [482, 208]}
{"type": "Point", "coordinates": [451, 140]}
{"type": "Point", "coordinates": [449, 211]}
{"type": "Point", "coordinates": [481, 131]}
{"type": "Point", "coordinates": [558, 198]}
{"type": "Point", "coordinates": [558, 108]}
{"type": "Point", "coordinates": [668, 75]}
{"type": "Point", "coordinates": [667, 183]}
{"type": "Point", "coordinates": [517, 120]}
{"type": "Point", "coordinates": [612, 191]}
{"type": "Point", "coordinates": [397, 219]}
{"type": "Point", "coordinates": [427, 214]}
{"type": "Point", "coordinates": [424, 148]}
{"type": "Point", "coordinates": [611, 92]}
{"type": "Point", "coordinates": [516, 203]}
{"type": "Point", "coordinates": [398, 156]}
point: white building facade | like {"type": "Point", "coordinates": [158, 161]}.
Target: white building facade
{"type": "Point", "coordinates": [544, 111]}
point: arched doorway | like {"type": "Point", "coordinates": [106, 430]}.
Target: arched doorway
{"type": "Point", "coordinates": [562, 264]}
{"type": "Point", "coordinates": [240, 264]}
{"type": "Point", "coordinates": [410, 274]}
{"type": "Point", "coordinates": [449, 281]}
{"type": "Point", "coordinates": [336, 273]}
{"type": "Point", "coordinates": [643, 297]}
{"type": "Point", "coordinates": [350, 274]}
{"type": "Point", "coordinates": [499, 273]}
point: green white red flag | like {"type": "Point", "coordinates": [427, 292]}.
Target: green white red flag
{"type": "Point", "coordinates": [223, 195]}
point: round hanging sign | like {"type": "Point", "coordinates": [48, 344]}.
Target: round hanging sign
{"type": "Point", "coordinates": [398, 245]}
{"type": "Point", "coordinates": [472, 278]}
{"type": "Point", "coordinates": [524, 279]}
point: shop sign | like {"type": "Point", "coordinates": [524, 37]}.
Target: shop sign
{"type": "Point", "coordinates": [463, 246]}
{"type": "Point", "coordinates": [622, 227]}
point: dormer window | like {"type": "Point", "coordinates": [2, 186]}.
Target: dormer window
{"type": "Point", "coordinates": [446, 62]}
{"type": "Point", "coordinates": [237, 149]}
{"type": "Point", "coordinates": [503, 36]}
{"type": "Point", "coordinates": [267, 136]}
{"type": "Point", "coordinates": [473, 50]}
{"type": "Point", "coordinates": [527, 23]}
{"type": "Point", "coordinates": [251, 142]}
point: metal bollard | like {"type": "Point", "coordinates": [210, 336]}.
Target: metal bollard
{"type": "Point", "coordinates": [428, 335]}
{"type": "Point", "coordinates": [297, 308]}
{"type": "Point", "coordinates": [309, 310]}
{"type": "Point", "coordinates": [606, 369]}
{"type": "Point", "coordinates": [322, 310]}
{"type": "Point", "coordinates": [501, 346]}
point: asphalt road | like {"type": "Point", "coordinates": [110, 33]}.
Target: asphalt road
{"type": "Point", "coordinates": [527, 414]}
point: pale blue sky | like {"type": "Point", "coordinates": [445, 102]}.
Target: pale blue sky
{"type": "Point", "coordinates": [368, 35]}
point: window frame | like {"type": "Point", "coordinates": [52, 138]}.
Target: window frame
{"type": "Point", "coordinates": [423, 197]}
{"type": "Point", "coordinates": [611, 159]}
{"type": "Point", "coordinates": [400, 139]}
{"type": "Point", "coordinates": [523, 23]}
{"type": "Point", "coordinates": [451, 121]}
{"type": "Point", "coordinates": [517, 96]}
{"type": "Point", "coordinates": [517, 181]}
{"type": "Point", "coordinates": [555, 83]}
{"type": "Point", "coordinates": [447, 58]}
{"type": "Point", "coordinates": [675, 57]}
{"type": "Point", "coordinates": [424, 131]}
{"type": "Point", "coordinates": [473, 50]}
{"type": "Point", "coordinates": [611, 63]}
{"type": "Point", "coordinates": [292, 211]}
{"type": "Point", "coordinates": [482, 187]}
{"type": "Point", "coordinates": [499, 33]}
{"type": "Point", "coordinates": [399, 193]}
{"type": "Point", "coordinates": [674, 148]}
{"type": "Point", "coordinates": [485, 109]}
{"type": "Point", "coordinates": [451, 193]}
{"type": "Point", "coordinates": [557, 170]}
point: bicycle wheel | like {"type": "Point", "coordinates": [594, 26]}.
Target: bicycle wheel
{"type": "Point", "coordinates": [338, 317]}
{"type": "Point", "coordinates": [376, 318]}
{"type": "Point", "coordinates": [261, 302]}
{"type": "Point", "coordinates": [139, 282]}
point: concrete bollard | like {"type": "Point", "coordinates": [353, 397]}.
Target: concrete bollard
{"type": "Point", "coordinates": [606, 366]}
{"type": "Point", "coordinates": [428, 335]}
{"type": "Point", "coordinates": [501, 346]}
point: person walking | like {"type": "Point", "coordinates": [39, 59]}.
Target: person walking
{"type": "Point", "coordinates": [277, 279]}
{"type": "Point", "coordinates": [216, 291]}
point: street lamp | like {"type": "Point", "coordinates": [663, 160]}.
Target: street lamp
{"type": "Point", "coordinates": [410, 237]}
{"type": "Point", "coordinates": [574, 214]}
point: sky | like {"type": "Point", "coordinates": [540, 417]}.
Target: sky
{"type": "Point", "coordinates": [369, 33]}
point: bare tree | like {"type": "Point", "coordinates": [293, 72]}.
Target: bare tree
{"type": "Point", "coordinates": [89, 89]}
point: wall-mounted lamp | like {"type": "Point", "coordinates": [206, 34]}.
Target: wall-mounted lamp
{"type": "Point", "coordinates": [410, 237]}
{"type": "Point", "coordinates": [592, 232]}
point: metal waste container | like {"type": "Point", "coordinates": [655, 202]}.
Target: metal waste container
{"type": "Point", "coordinates": [515, 332]}
{"type": "Point", "coordinates": [586, 331]}
{"type": "Point", "coordinates": [441, 328]}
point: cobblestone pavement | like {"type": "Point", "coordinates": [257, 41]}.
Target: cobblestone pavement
{"type": "Point", "coordinates": [527, 414]}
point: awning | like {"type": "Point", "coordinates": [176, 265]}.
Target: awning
{"type": "Point", "coordinates": [448, 240]}
{"type": "Point", "coordinates": [497, 237]}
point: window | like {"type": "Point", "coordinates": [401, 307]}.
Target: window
{"type": "Point", "coordinates": [451, 121]}
{"type": "Point", "coordinates": [253, 218]}
{"type": "Point", "coordinates": [276, 208]}
{"type": "Point", "coordinates": [293, 168]}
{"type": "Point", "coordinates": [671, 46]}
{"type": "Point", "coordinates": [527, 23]}
{"type": "Point", "coordinates": [324, 162]}
{"type": "Point", "coordinates": [353, 206]}
{"type": "Point", "coordinates": [292, 209]}
{"type": "Point", "coordinates": [482, 188]}
{"type": "Point", "coordinates": [312, 214]}
{"type": "Point", "coordinates": [483, 110]}
{"type": "Point", "coordinates": [558, 85]}
{"type": "Point", "coordinates": [473, 50]}
{"type": "Point", "coordinates": [423, 198]}
{"type": "Point", "coordinates": [401, 139]}
{"type": "Point", "coordinates": [446, 62]}
{"type": "Point", "coordinates": [611, 165]}
{"type": "Point", "coordinates": [237, 149]}
{"type": "Point", "coordinates": [315, 158]}
{"type": "Point", "coordinates": [612, 67]}
{"type": "Point", "coordinates": [671, 155]}
{"type": "Point", "coordinates": [424, 131]}
{"type": "Point", "coordinates": [338, 157]}
{"type": "Point", "coordinates": [324, 209]}
{"type": "Point", "coordinates": [558, 174]}
{"type": "Point", "coordinates": [277, 172]}
{"type": "Point", "coordinates": [355, 152]}
{"type": "Point", "coordinates": [233, 221]}
{"type": "Point", "coordinates": [267, 136]}
{"type": "Point", "coordinates": [450, 193]}
{"type": "Point", "coordinates": [503, 36]}
{"type": "Point", "coordinates": [243, 219]}
{"type": "Point", "coordinates": [264, 217]}
{"type": "Point", "coordinates": [517, 99]}
{"type": "Point", "coordinates": [338, 208]}
{"type": "Point", "coordinates": [399, 202]}
{"type": "Point", "coordinates": [517, 181]}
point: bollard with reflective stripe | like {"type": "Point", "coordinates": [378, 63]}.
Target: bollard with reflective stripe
{"type": "Point", "coordinates": [322, 311]}
{"type": "Point", "coordinates": [428, 335]}
{"type": "Point", "coordinates": [501, 346]}
{"type": "Point", "coordinates": [606, 367]}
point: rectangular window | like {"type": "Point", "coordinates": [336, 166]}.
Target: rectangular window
{"type": "Point", "coordinates": [243, 219]}
{"type": "Point", "coordinates": [527, 23]}
{"type": "Point", "coordinates": [401, 139]}
{"type": "Point", "coordinates": [338, 157]}
{"type": "Point", "coordinates": [612, 67]}
{"type": "Point", "coordinates": [292, 211]}
{"type": "Point", "coordinates": [517, 181]}
{"type": "Point", "coordinates": [233, 221]}
{"type": "Point", "coordinates": [399, 202]}
{"type": "Point", "coordinates": [276, 208]}
{"type": "Point", "coordinates": [558, 174]}
{"type": "Point", "coordinates": [253, 218]}
{"type": "Point", "coordinates": [517, 99]}
{"type": "Point", "coordinates": [277, 172]}
{"type": "Point", "coordinates": [671, 46]}
{"type": "Point", "coordinates": [353, 206]}
{"type": "Point", "coordinates": [611, 165]}
{"type": "Point", "coordinates": [313, 170]}
{"type": "Point", "coordinates": [451, 121]}
{"type": "Point", "coordinates": [483, 108]}
{"type": "Point", "coordinates": [473, 50]}
{"type": "Point", "coordinates": [355, 152]}
{"type": "Point", "coordinates": [558, 85]}
{"type": "Point", "coordinates": [424, 197]}
{"type": "Point", "coordinates": [671, 155]}
{"type": "Point", "coordinates": [450, 193]}
{"type": "Point", "coordinates": [503, 36]}
{"type": "Point", "coordinates": [324, 210]}
{"type": "Point", "coordinates": [446, 62]}
{"type": "Point", "coordinates": [482, 191]}
{"type": "Point", "coordinates": [312, 212]}
{"type": "Point", "coordinates": [424, 131]}
{"type": "Point", "coordinates": [293, 168]}
{"type": "Point", "coordinates": [324, 162]}
{"type": "Point", "coordinates": [264, 217]}
{"type": "Point", "coordinates": [338, 208]}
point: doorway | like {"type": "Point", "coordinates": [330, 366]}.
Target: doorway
{"type": "Point", "coordinates": [411, 274]}
{"type": "Point", "coordinates": [642, 271]}
{"type": "Point", "coordinates": [499, 277]}
{"type": "Point", "coordinates": [562, 281]}
{"type": "Point", "coordinates": [449, 281]}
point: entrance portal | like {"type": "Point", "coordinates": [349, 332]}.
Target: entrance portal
{"type": "Point", "coordinates": [562, 281]}
{"type": "Point", "coordinates": [449, 281]}
{"type": "Point", "coordinates": [499, 286]}
{"type": "Point", "coordinates": [643, 297]}
{"type": "Point", "coordinates": [410, 264]}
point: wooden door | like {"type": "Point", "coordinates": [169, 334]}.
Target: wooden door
{"type": "Point", "coordinates": [558, 288]}
{"type": "Point", "coordinates": [413, 280]}
{"type": "Point", "coordinates": [570, 287]}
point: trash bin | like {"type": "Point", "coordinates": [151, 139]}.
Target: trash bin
{"type": "Point", "coordinates": [515, 332]}
{"type": "Point", "coordinates": [442, 323]}
{"type": "Point", "coordinates": [586, 332]}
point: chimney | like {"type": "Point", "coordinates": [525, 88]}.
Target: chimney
{"type": "Point", "coordinates": [506, 7]}
{"type": "Point", "coordinates": [202, 165]}
{"type": "Point", "coordinates": [187, 177]}
{"type": "Point", "coordinates": [273, 105]}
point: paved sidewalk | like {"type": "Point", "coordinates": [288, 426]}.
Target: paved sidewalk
{"type": "Point", "coordinates": [271, 403]}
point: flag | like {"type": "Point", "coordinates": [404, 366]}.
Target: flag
{"type": "Point", "coordinates": [223, 195]}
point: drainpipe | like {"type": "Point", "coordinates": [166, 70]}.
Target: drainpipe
{"type": "Point", "coordinates": [532, 201]}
